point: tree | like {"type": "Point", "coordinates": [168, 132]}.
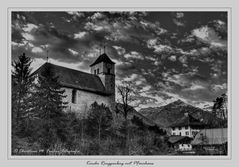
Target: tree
{"type": "Point", "coordinates": [125, 99]}
{"type": "Point", "coordinates": [220, 107]}
{"type": "Point", "coordinates": [22, 83]}
{"type": "Point", "coordinates": [49, 106]}
{"type": "Point", "coordinates": [99, 121]}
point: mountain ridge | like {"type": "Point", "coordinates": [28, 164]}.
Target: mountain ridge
{"type": "Point", "coordinates": [165, 116]}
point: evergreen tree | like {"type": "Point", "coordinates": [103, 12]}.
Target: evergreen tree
{"type": "Point", "coordinates": [220, 107]}
{"type": "Point", "coordinates": [22, 83]}
{"type": "Point", "coordinates": [49, 106]}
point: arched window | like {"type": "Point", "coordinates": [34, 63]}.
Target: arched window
{"type": "Point", "coordinates": [73, 97]}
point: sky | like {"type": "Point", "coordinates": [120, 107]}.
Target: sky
{"type": "Point", "coordinates": [165, 56]}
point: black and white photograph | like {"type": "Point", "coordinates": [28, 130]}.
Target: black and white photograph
{"type": "Point", "coordinates": [119, 83]}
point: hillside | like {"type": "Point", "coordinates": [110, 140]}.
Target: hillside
{"type": "Point", "coordinates": [137, 121]}
{"type": "Point", "coordinates": [166, 115]}
{"type": "Point", "coordinates": [133, 113]}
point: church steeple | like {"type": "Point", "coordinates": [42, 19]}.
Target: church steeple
{"type": "Point", "coordinates": [104, 67]}
{"type": "Point", "coordinates": [102, 58]}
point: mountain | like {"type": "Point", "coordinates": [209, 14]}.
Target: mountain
{"type": "Point", "coordinates": [165, 116]}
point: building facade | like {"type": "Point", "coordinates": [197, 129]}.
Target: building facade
{"type": "Point", "coordinates": [186, 126]}
{"type": "Point", "coordinates": [211, 141]}
{"type": "Point", "coordinates": [180, 143]}
{"type": "Point", "coordinates": [184, 131]}
{"type": "Point", "coordinates": [82, 89]}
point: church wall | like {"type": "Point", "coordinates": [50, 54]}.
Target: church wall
{"type": "Point", "coordinates": [83, 100]}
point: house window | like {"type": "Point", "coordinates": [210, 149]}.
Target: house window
{"type": "Point", "coordinates": [73, 97]}
{"type": "Point", "coordinates": [187, 133]}
{"type": "Point", "coordinates": [108, 70]}
{"type": "Point", "coordinates": [94, 71]}
{"type": "Point", "coordinates": [174, 134]}
{"type": "Point", "coordinates": [98, 71]}
{"type": "Point", "coordinates": [173, 128]}
{"type": "Point", "coordinates": [179, 128]}
{"type": "Point", "coordinates": [186, 127]}
{"type": "Point", "coordinates": [180, 134]}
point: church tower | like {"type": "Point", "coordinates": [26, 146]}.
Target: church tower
{"type": "Point", "coordinates": [104, 67]}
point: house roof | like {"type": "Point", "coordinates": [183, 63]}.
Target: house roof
{"type": "Point", "coordinates": [76, 79]}
{"type": "Point", "coordinates": [187, 121]}
{"type": "Point", "coordinates": [176, 139]}
{"type": "Point", "coordinates": [102, 58]}
{"type": "Point", "coordinates": [211, 137]}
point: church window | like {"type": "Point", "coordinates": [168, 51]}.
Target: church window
{"type": "Point", "coordinates": [73, 98]}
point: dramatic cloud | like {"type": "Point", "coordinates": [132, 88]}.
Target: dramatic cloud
{"type": "Point", "coordinates": [164, 55]}
{"type": "Point", "coordinates": [119, 50]}
{"type": "Point", "coordinates": [80, 35]}
{"type": "Point", "coordinates": [133, 55]}
{"type": "Point", "coordinates": [37, 50]}
{"type": "Point", "coordinates": [76, 15]}
{"type": "Point", "coordinates": [73, 52]}
{"type": "Point", "coordinates": [157, 46]}
{"type": "Point", "coordinates": [209, 35]}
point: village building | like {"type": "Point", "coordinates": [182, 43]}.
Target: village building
{"type": "Point", "coordinates": [82, 89]}
{"type": "Point", "coordinates": [186, 126]}
{"type": "Point", "coordinates": [183, 131]}
{"type": "Point", "coordinates": [180, 143]}
{"type": "Point", "coordinates": [211, 141]}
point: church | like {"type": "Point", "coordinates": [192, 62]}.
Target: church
{"type": "Point", "coordinates": [82, 89]}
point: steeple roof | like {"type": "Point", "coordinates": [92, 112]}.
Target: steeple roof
{"type": "Point", "coordinates": [102, 58]}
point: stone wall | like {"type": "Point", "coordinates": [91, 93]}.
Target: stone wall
{"type": "Point", "coordinates": [83, 100]}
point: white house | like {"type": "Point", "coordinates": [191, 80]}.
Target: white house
{"type": "Point", "coordinates": [186, 126]}
{"type": "Point", "coordinates": [180, 143]}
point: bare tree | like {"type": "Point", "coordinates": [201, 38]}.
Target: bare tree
{"type": "Point", "coordinates": [125, 100]}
